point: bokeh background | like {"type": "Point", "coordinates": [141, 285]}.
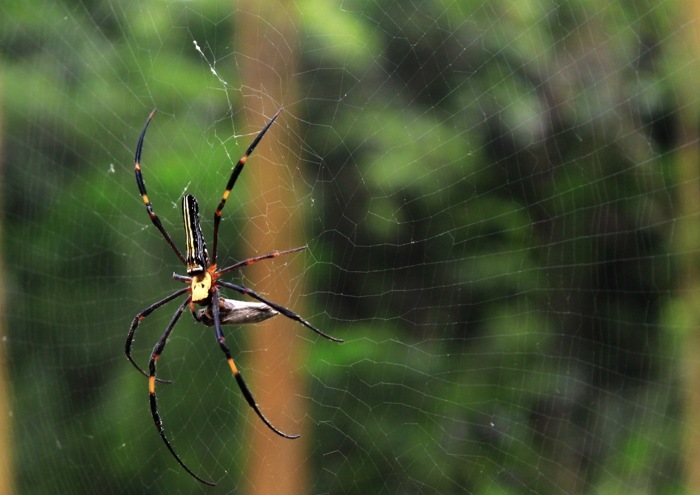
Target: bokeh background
{"type": "Point", "coordinates": [501, 203]}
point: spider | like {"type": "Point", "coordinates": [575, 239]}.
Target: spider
{"type": "Point", "coordinates": [202, 288]}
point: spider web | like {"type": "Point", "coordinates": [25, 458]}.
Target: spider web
{"type": "Point", "coordinates": [499, 220]}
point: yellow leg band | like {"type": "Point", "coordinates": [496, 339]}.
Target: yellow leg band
{"type": "Point", "coordinates": [233, 366]}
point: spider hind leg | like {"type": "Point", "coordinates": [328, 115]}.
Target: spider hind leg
{"type": "Point", "coordinates": [234, 369]}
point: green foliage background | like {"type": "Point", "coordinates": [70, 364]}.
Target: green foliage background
{"type": "Point", "coordinates": [490, 215]}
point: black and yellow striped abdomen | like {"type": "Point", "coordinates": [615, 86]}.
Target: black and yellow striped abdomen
{"type": "Point", "coordinates": [196, 258]}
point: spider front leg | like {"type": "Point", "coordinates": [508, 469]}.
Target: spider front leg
{"type": "Point", "coordinates": [234, 369]}
{"type": "Point", "coordinates": [235, 172]}
{"type": "Point", "coordinates": [157, 351]}
{"type": "Point", "coordinates": [144, 194]}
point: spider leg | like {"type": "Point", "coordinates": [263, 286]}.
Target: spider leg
{"type": "Point", "coordinates": [255, 259]}
{"type": "Point", "coordinates": [232, 181]}
{"type": "Point", "coordinates": [239, 379]}
{"type": "Point", "coordinates": [157, 351]}
{"type": "Point", "coordinates": [281, 309]}
{"type": "Point", "coordinates": [135, 323]}
{"type": "Point", "coordinates": [142, 190]}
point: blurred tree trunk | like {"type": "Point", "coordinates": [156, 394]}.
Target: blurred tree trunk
{"type": "Point", "coordinates": [265, 42]}
{"type": "Point", "coordinates": [6, 481]}
{"type": "Point", "coordinates": [688, 242]}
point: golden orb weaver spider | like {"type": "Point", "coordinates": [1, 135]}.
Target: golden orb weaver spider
{"type": "Point", "coordinates": [202, 288]}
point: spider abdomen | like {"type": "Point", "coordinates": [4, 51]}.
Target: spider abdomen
{"type": "Point", "coordinates": [197, 257]}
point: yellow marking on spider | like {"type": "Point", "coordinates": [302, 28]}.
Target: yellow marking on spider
{"type": "Point", "coordinates": [145, 199]}
{"type": "Point", "coordinates": [189, 235]}
{"type": "Point", "coordinates": [151, 385]}
{"type": "Point", "coordinates": [200, 286]}
{"type": "Point", "coordinates": [233, 366]}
